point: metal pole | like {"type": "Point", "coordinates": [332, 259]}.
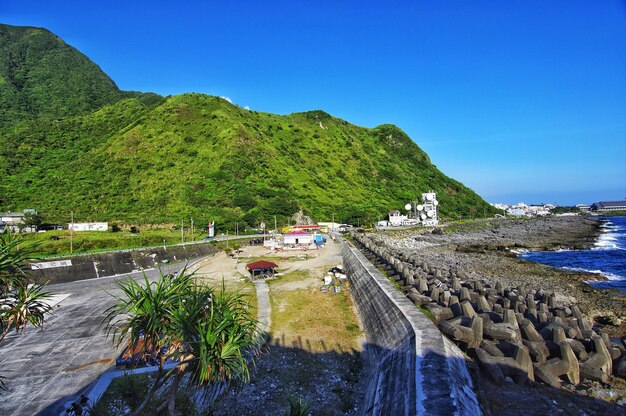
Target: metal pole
{"type": "Point", "coordinates": [191, 228]}
{"type": "Point", "coordinates": [182, 231]}
{"type": "Point", "coordinates": [72, 234]}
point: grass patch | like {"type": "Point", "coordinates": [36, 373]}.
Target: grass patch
{"type": "Point", "coordinates": [57, 243]}
{"type": "Point", "coordinates": [468, 225]}
{"type": "Point", "coordinates": [314, 321]}
{"type": "Point", "coordinates": [294, 276]}
{"type": "Point", "coordinates": [125, 391]}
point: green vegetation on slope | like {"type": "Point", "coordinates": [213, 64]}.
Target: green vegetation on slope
{"type": "Point", "coordinates": [145, 159]}
{"type": "Point", "coordinates": [40, 75]}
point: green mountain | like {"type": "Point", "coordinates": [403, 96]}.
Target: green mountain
{"type": "Point", "coordinates": [40, 75]}
{"type": "Point", "coordinates": [147, 159]}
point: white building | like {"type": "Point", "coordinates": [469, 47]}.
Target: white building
{"type": "Point", "coordinates": [14, 221]}
{"type": "Point", "coordinates": [299, 238]}
{"type": "Point", "coordinates": [88, 226]}
{"type": "Point", "coordinates": [396, 218]}
{"type": "Point", "coordinates": [429, 215]}
{"type": "Point", "coordinates": [326, 227]}
{"type": "Point", "coordinates": [517, 212]}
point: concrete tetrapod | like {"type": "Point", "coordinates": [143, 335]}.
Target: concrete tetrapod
{"type": "Point", "coordinates": [550, 371]}
{"type": "Point", "coordinates": [599, 366]}
{"type": "Point", "coordinates": [519, 368]}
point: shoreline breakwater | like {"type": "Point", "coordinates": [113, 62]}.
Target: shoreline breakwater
{"type": "Point", "coordinates": [515, 321]}
{"type": "Point", "coordinates": [415, 369]}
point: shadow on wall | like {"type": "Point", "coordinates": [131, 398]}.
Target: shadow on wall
{"type": "Point", "coordinates": [335, 382]}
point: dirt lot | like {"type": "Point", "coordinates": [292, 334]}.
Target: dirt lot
{"type": "Point", "coordinates": [314, 346]}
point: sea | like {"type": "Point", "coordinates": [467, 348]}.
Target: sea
{"type": "Point", "coordinates": [607, 257]}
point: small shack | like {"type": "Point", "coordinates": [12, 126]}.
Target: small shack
{"type": "Point", "coordinates": [261, 269]}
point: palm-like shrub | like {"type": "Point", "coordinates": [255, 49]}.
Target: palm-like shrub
{"type": "Point", "coordinates": [23, 306]}
{"type": "Point", "coordinates": [210, 334]}
{"type": "Point", "coordinates": [14, 258]}
{"type": "Point", "coordinates": [21, 302]}
{"type": "Point", "coordinates": [145, 313]}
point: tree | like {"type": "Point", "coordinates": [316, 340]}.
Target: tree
{"type": "Point", "coordinates": [209, 333]}
{"type": "Point", "coordinates": [21, 303]}
{"type": "Point", "coordinates": [32, 220]}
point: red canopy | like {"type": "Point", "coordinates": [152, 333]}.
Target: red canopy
{"type": "Point", "coordinates": [262, 264]}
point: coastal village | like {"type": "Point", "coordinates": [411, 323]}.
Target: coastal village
{"type": "Point", "coordinates": [194, 234]}
{"type": "Point", "coordinates": [461, 298]}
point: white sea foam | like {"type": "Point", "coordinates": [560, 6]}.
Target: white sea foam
{"type": "Point", "coordinates": [609, 276]}
{"type": "Point", "coordinates": [607, 240]}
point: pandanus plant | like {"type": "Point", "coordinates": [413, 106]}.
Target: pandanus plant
{"type": "Point", "coordinates": [22, 303]}
{"type": "Point", "coordinates": [208, 334]}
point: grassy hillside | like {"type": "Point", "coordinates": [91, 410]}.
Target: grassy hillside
{"type": "Point", "coordinates": [70, 140]}
{"type": "Point", "coordinates": [197, 155]}
{"type": "Point", "coordinates": [42, 76]}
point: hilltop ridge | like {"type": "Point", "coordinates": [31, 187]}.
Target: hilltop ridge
{"type": "Point", "coordinates": [112, 155]}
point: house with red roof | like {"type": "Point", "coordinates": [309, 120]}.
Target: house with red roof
{"type": "Point", "coordinates": [298, 238]}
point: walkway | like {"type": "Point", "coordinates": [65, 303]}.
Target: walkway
{"type": "Point", "coordinates": [44, 368]}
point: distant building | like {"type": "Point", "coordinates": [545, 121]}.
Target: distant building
{"type": "Point", "coordinates": [517, 212]}
{"type": "Point", "coordinates": [326, 227]}
{"type": "Point", "coordinates": [314, 227]}
{"type": "Point", "coordinates": [14, 221]}
{"type": "Point", "coordinates": [429, 216]}
{"type": "Point", "coordinates": [396, 218]}
{"type": "Point", "coordinates": [88, 226]}
{"type": "Point", "coordinates": [298, 238]}
{"type": "Point", "coordinates": [11, 218]}
{"type": "Point", "coordinates": [605, 206]}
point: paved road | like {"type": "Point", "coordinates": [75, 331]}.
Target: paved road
{"type": "Point", "coordinates": [44, 368]}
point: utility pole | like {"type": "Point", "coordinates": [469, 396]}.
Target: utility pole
{"type": "Point", "coordinates": [72, 233]}
{"type": "Point", "coordinates": [275, 228]}
{"type": "Point", "coordinates": [237, 228]}
{"type": "Point", "coordinates": [182, 231]}
{"type": "Point", "coordinates": [191, 228]}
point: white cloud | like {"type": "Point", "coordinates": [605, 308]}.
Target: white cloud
{"type": "Point", "coordinates": [247, 108]}
{"type": "Point", "coordinates": [227, 99]}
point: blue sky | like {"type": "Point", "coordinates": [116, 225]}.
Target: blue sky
{"type": "Point", "coordinates": [520, 100]}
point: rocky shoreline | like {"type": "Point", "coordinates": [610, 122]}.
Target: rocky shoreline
{"type": "Point", "coordinates": [469, 278]}
{"type": "Point", "coordinates": [489, 250]}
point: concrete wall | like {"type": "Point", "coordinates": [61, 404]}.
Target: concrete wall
{"type": "Point", "coordinates": [416, 370]}
{"type": "Point", "coordinates": [92, 266]}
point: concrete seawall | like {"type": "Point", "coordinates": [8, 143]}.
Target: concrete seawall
{"type": "Point", "coordinates": [416, 370]}
{"type": "Point", "coordinates": [92, 266]}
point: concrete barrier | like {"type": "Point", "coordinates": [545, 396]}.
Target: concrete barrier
{"type": "Point", "coordinates": [416, 370]}
{"type": "Point", "coordinates": [92, 266]}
